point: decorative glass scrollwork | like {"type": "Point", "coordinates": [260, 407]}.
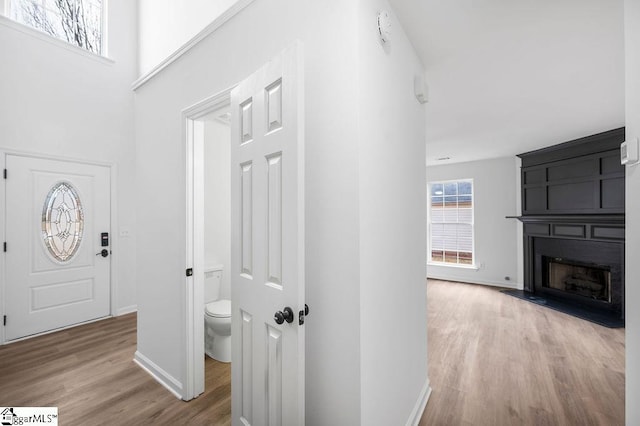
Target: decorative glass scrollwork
{"type": "Point", "coordinates": [62, 222]}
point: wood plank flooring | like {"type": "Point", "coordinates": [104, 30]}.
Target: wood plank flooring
{"type": "Point", "coordinates": [493, 360]}
{"type": "Point", "coordinates": [498, 360]}
{"type": "Point", "coordinates": [89, 374]}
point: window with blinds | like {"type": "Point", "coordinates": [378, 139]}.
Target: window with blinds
{"type": "Point", "coordinates": [451, 222]}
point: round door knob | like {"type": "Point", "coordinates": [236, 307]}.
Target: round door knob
{"type": "Point", "coordinates": [285, 315]}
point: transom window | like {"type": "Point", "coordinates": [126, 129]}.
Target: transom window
{"type": "Point", "coordinates": [78, 22]}
{"type": "Point", "coordinates": [451, 222]}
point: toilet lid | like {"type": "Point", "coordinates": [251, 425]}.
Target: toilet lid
{"type": "Point", "coordinates": [219, 308]}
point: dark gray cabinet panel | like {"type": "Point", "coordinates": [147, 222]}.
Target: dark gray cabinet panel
{"type": "Point", "coordinates": [573, 169]}
{"type": "Point", "coordinates": [571, 196]}
{"type": "Point", "coordinates": [577, 231]}
{"type": "Point", "coordinates": [535, 199]}
{"type": "Point", "coordinates": [612, 194]}
{"type": "Point", "coordinates": [536, 228]}
{"type": "Point", "coordinates": [611, 164]}
{"type": "Point", "coordinates": [535, 176]}
{"type": "Point", "coordinates": [607, 232]}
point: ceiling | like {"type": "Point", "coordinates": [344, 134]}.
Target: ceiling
{"type": "Point", "coordinates": [510, 76]}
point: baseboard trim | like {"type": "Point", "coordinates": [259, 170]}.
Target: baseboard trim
{"type": "Point", "coordinates": [502, 284]}
{"type": "Point", "coordinates": [55, 330]}
{"type": "Point", "coordinates": [161, 376]}
{"type": "Point", "coordinates": [126, 310]}
{"type": "Point", "coordinates": [421, 404]}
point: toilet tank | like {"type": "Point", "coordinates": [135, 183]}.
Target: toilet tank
{"type": "Point", "coordinates": [212, 280]}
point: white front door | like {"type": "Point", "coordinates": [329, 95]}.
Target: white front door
{"type": "Point", "coordinates": [56, 275]}
{"type": "Point", "coordinates": [267, 234]}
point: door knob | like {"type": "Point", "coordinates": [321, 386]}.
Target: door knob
{"type": "Point", "coordinates": [103, 253]}
{"type": "Point", "coordinates": [285, 315]}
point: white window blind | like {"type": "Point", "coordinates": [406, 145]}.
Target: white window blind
{"type": "Point", "coordinates": [451, 222]}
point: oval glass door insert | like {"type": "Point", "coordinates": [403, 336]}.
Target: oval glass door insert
{"type": "Point", "coordinates": [62, 222]}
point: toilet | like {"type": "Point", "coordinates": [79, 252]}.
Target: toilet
{"type": "Point", "coordinates": [217, 317]}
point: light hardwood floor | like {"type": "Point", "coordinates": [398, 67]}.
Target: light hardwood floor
{"type": "Point", "coordinates": [493, 360]}
{"type": "Point", "coordinates": [498, 360]}
{"type": "Point", "coordinates": [89, 374]}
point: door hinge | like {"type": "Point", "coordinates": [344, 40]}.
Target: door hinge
{"type": "Point", "coordinates": [189, 272]}
{"type": "Point", "coordinates": [5, 173]}
{"type": "Point", "coordinates": [4, 246]}
{"type": "Point", "coordinates": [4, 321]}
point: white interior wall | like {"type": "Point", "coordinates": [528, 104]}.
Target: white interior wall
{"type": "Point", "coordinates": [168, 24]}
{"type": "Point", "coordinates": [495, 238]}
{"type": "Point", "coordinates": [393, 300]}
{"type": "Point", "coordinates": [332, 221]}
{"type": "Point", "coordinates": [58, 100]}
{"type": "Point", "coordinates": [632, 249]}
{"type": "Point", "coordinates": [338, 200]}
{"type": "Point", "coordinates": [217, 200]}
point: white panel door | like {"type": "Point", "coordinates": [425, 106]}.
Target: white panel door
{"type": "Point", "coordinates": [56, 275]}
{"type": "Point", "coordinates": [267, 260]}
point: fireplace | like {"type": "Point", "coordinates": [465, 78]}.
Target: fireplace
{"type": "Point", "coordinates": [574, 224]}
{"type": "Point", "coordinates": [577, 278]}
{"type": "Point", "coordinates": [586, 273]}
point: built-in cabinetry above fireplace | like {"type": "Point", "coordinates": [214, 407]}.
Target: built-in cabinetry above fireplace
{"type": "Point", "coordinates": [573, 214]}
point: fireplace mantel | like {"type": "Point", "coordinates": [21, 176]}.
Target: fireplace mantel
{"type": "Point", "coordinates": [614, 219]}
{"type": "Point", "coordinates": [587, 227]}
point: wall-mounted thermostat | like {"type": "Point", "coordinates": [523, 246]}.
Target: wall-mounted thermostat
{"type": "Point", "coordinates": [629, 151]}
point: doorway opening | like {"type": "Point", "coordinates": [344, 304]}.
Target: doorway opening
{"type": "Point", "coordinates": [208, 137]}
{"type": "Point", "coordinates": [267, 240]}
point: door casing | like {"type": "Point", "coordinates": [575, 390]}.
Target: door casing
{"type": "Point", "coordinates": [193, 131]}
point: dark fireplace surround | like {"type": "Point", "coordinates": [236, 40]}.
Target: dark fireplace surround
{"type": "Point", "coordinates": [573, 215]}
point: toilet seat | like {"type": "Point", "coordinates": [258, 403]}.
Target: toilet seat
{"type": "Point", "coordinates": [218, 309]}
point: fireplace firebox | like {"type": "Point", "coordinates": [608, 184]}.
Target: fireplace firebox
{"type": "Point", "coordinates": [577, 278]}
{"type": "Point", "coordinates": [584, 272]}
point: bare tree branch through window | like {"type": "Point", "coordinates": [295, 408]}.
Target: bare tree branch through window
{"type": "Point", "coordinates": [78, 22]}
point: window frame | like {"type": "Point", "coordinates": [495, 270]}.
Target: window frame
{"type": "Point", "coordinates": [430, 261]}
{"type": "Point", "coordinates": [102, 50]}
